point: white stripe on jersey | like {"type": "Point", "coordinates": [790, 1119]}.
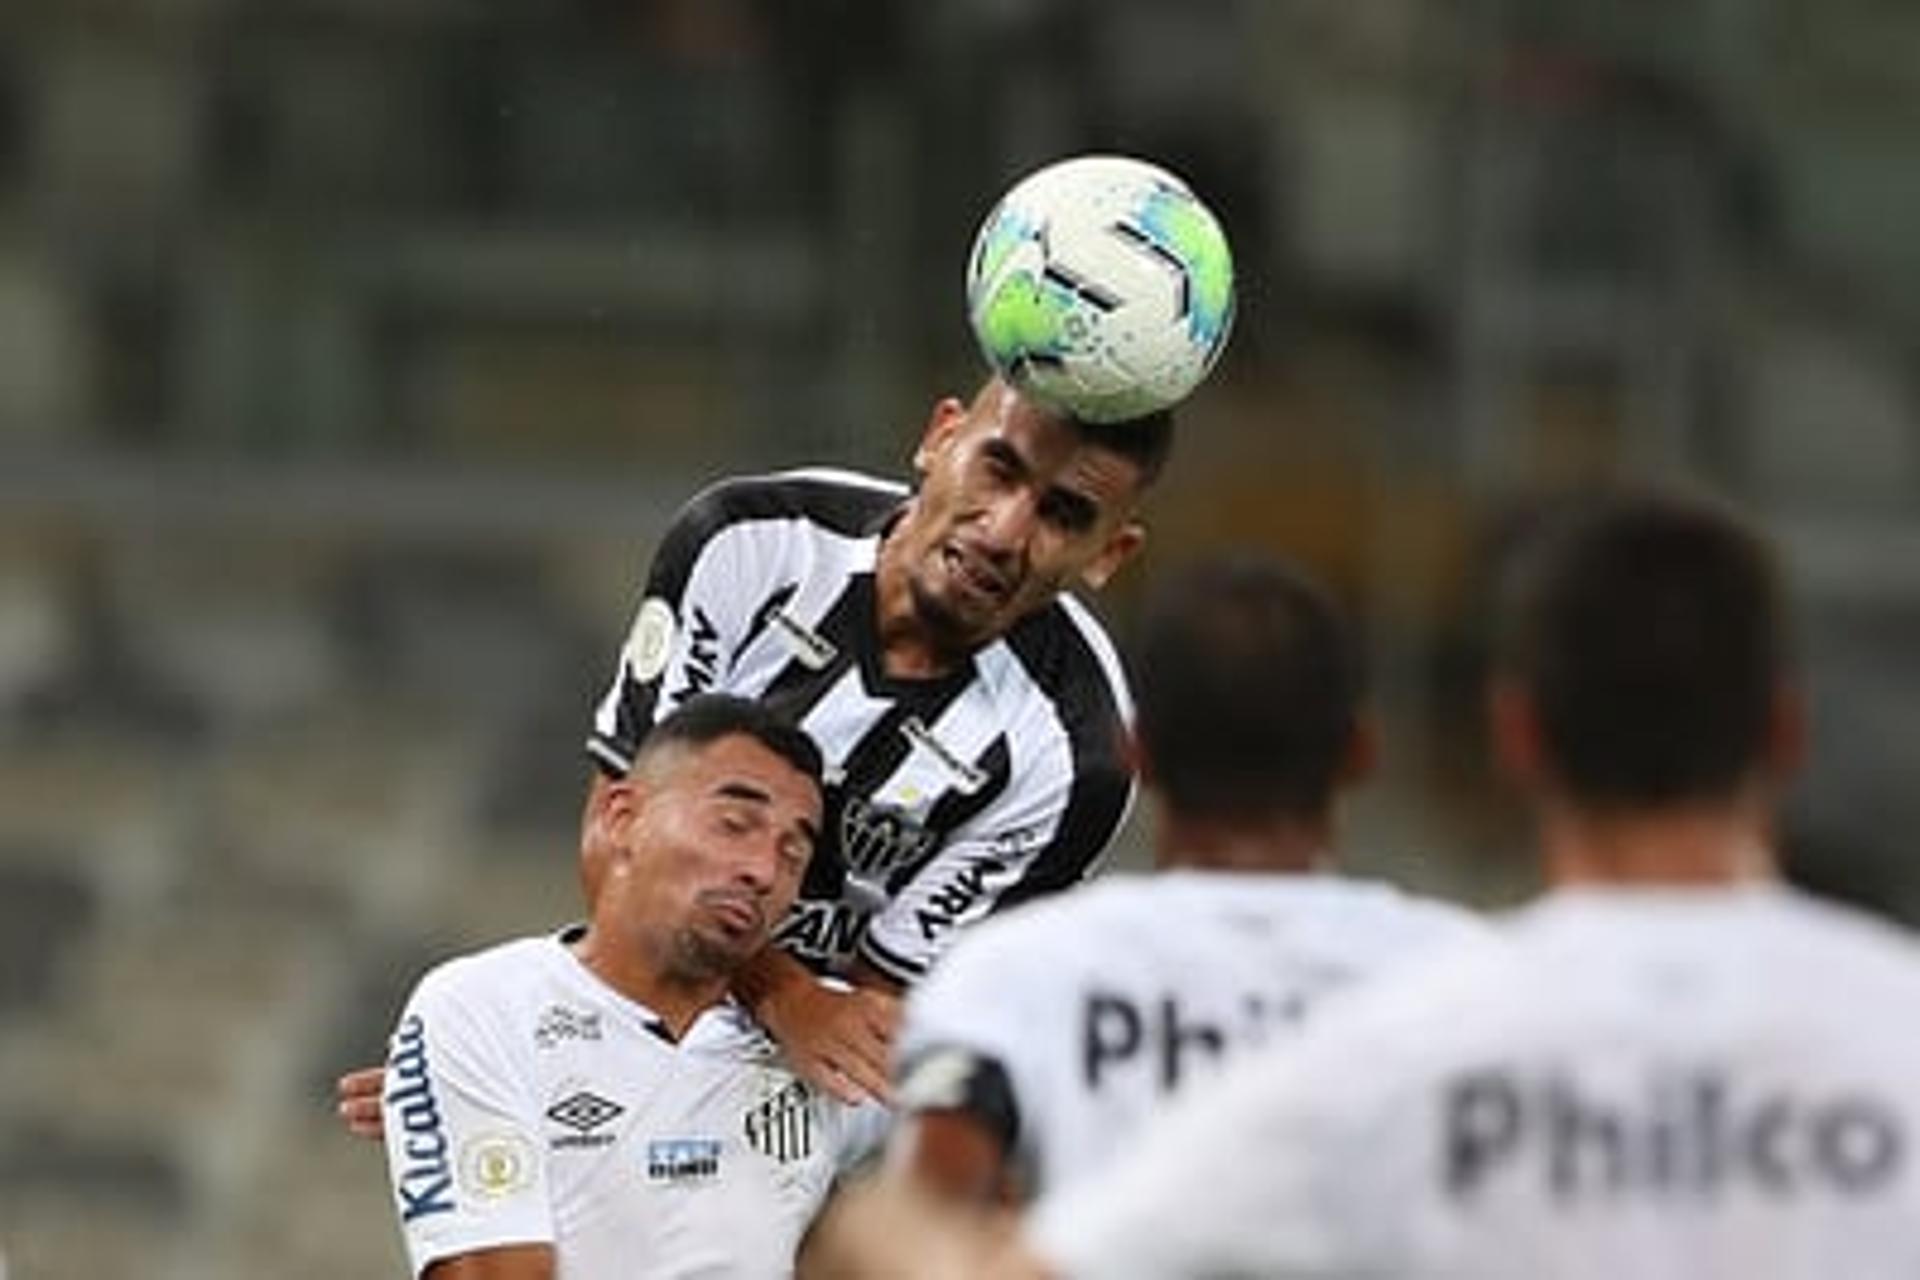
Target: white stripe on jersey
{"type": "Point", "coordinates": [839, 475]}
{"type": "Point", "coordinates": [1102, 646]}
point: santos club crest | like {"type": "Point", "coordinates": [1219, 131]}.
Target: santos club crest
{"type": "Point", "coordinates": [781, 1126]}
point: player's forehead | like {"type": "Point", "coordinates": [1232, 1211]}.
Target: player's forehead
{"type": "Point", "coordinates": [1055, 449]}
{"type": "Point", "coordinates": [738, 766]}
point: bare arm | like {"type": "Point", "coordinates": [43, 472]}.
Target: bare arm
{"type": "Point", "coordinates": [509, 1262]}
{"type": "Point", "coordinates": [955, 1157]}
{"type": "Point", "coordinates": [838, 1040]}
{"type": "Point", "coordinates": [882, 1230]}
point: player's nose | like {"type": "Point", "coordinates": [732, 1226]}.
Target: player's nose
{"type": "Point", "coordinates": [757, 864]}
{"type": "Point", "coordinates": [1007, 522]}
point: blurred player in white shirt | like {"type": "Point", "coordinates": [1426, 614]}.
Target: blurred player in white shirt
{"type": "Point", "coordinates": [1040, 1044]}
{"type": "Point", "coordinates": [1674, 1066]}
{"type": "Point", "coordinates": [595, 1104]}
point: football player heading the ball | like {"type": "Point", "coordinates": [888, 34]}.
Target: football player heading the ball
{"type": "Point", "coordinates": [970, 711]}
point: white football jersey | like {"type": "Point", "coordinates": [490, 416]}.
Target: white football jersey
{"type": "Point", "coordinates": [1666, 1085]}
{"type": "Point", "coordinates": [528, 1102]}
{"type": "Point", "coordinates": [1100, 1004]}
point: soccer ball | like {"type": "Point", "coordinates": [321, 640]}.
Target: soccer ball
{"type": "Point", "coordinates": [1101, 287]}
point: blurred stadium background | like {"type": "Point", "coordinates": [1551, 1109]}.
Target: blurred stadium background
{"type": "Point", "coordinates": [352, 352]}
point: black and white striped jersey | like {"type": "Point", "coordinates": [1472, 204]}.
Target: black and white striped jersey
{"type": "Point", "coordinates": [947, 798]}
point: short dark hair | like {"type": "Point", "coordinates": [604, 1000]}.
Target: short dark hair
{"type": "Point", "coordinates": [1650, 629]}
{"type": "Point", "coordinates": [708, 717]}
{"type": "Point", "coordinates": [1146, 441]}
{"type": "Point", "coordinates": [1247, 683]}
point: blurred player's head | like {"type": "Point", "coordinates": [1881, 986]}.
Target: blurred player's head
{"type": "Point", "coordinates": [706, 839]}
{"type": "Point", "coordinates": [1014, 504]}
{"type": "Point", "coordinates": [1248, 686]}
{"type": "Point", "coordinates": [1642, 660]}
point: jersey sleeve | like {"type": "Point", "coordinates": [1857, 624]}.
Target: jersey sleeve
{"type": "Point", "coordinates": [962, 1045]}
{"type": "Point", "coordinates": [463, 1150]}
{"type": "Point", "coordinates": [970, 1012]}
{"type": "Point", "coordinates": [859, 1132]}
{"type": "Point", "coordinates": [697, 606]}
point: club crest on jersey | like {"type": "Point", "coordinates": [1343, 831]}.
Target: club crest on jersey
{"type": "Point", "coordinates": [876, 838]}
{"type": "Point", "coordinates": [683, 1159]}
{"type": "Point", "coordinates": [781, 1126]}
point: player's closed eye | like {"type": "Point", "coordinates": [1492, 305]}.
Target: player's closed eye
{"type": "Point", "coordinates": [794, 852]}
{"type": "Point", "coordinates": [738, 821]}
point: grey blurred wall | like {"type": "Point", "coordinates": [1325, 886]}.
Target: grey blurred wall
{"type": "Point", "coordinates": [353, 352]}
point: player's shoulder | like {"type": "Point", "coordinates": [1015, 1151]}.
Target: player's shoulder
{"type": "Point", "coordinates": [1064, 644]}
{"type": "Point", "coordinates": [1417, 918]}
{"type": "Point", "coordinates": [1839, 954]}
{"type": "Point", "coordinates": [493, 978]}
{"type": "Point", "coordinates": [1053, 935]}
{"type": "Point", "coordinates": [1059, 666]}
{"type": "Point", "coordinates": [849, 503]}
{"type": "Point", "coordinates": [1847, 926]}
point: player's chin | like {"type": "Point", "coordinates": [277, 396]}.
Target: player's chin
{"type": "Point", "coordinates": [960, 618]}
{"type": "Point", "coordinates": [731, 937]}
{"type": "Point", "coordinates": [708, 951]}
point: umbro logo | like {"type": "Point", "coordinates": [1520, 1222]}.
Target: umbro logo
{"type": "Point", "coordinates": [583, 1112]}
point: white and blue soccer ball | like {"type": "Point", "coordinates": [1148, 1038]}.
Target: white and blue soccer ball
{"type": "Point", "coordinates": [1101, 286]}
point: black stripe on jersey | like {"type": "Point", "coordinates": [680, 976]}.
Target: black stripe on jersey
{"type": "Point", "coordinates": [889, 962]}
{"type": "Point", "coordinates": [883, 748]}
{"type": "Point", "coordinates": [1059, 658]}
{"type": "Point", "coordinates": [847, 508]}
{"type": "Point", "coordinates": [957, 806]}
{"type": "Point", "coordinates": [761, 617]}
{"type": "Point", "coordinates": [795, 690]}
{"type": "Point", "coordinates": [852, 510]}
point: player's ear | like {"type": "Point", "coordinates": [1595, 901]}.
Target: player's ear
{"type": "Point", "coordinates": [1513, 728]}
{"type": "Point", "coordinates": [1362, 755]}
{"type": "Point", "coordinates": [1122, 546]}
{"type": "Point", "coordinates": [1139, 761]}
{"type": "Point", "coordinates": [612, 809]}
{"type": "Point", "coordinates": [604, 823]}
{"type": "Point", "coordinates": [1787, 731]}
{"type": "Point", "coordinates": [943, 424]}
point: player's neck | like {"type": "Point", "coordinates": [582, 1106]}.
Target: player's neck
{"type": "Point", "coordinates": [1275, 844]}
{"type": "Point", "coordinates": [909, 648]}
{"type": "Point", "coordinates": [1697, 845]}
{"type": "Point", "coordinates": [677, 1002]}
